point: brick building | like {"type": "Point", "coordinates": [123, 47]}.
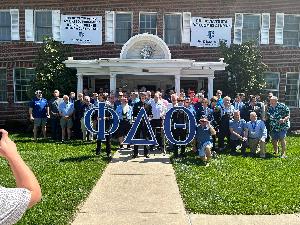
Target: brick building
{"type": "Point", "coordinates": [273, 24]}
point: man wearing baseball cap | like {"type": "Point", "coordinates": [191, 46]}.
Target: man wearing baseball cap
{"type": "Point", "coordinates": [204, 139]}
{"type": "Point", "coordinates": [38, 113]}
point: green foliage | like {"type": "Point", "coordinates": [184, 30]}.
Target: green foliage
{"type": "Point", "coordinates": [237, 185]}
{"type": "Point", "coordinates": [66, 172]}
{"type": "Point", "coordinates": [51, 72]}
{"type": "Point", "coordinates": [245, 69]}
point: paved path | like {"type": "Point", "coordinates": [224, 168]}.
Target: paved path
{"type": "Point", "coordinates": [135, 192]}
{"type": "Point", "coordinates": [144, 192]}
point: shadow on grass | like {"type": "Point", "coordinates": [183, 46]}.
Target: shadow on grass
{"type": "Point", "coordinates": [80, 158]}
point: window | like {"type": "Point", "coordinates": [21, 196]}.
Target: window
{"type": "Point", "coordinates": [272, 82]}
{"type": "Point", "coordinates": [5, 26]}
{"type": "Point", "coordinates": [22, 79]}
{"type": "Point", "coordinates": [172, 29]}
{"type": "Point", "coordinates": [123, 27]}
{"type": "Point", "coordinates": [291, 30]}
{"type": "Point", "coordinates": [251, 28]}
{"type": "Point", "coordinates": [148, 23]}
{"type": "Point", "coordinates": [43, 25]}
{"type": "Point", "coordinates": [292, 90]}
{"type": "Point", "coordinates": [3, 92]}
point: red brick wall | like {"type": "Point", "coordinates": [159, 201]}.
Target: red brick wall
{"type": "Point", "coordinates": [22, 54]}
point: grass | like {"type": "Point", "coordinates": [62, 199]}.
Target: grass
{"type": "Point", "coordinates": [66, 172]}
{"type": "Point", "coordinates": [236, 185]}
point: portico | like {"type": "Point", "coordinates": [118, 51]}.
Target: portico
{"type": "Point", "coordinates": [145, 60]}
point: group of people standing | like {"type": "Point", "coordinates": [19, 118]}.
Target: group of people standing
{"type": "Point", "coordinates": [241, 123]}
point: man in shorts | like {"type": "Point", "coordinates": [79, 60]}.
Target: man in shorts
{"type": "Point", "coordinates": [204, 139]}
{"type": "Point", "coordinates": [66, 109]}
{"type": "Point", "coordinates": [38, 113]}
{"type": "Point", "coordinates": [278, 115]}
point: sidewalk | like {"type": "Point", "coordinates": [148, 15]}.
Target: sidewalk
{"type": "Point", "coordinates": [135, 192]}
{"type": "Point", "coordinates": [144, 192]}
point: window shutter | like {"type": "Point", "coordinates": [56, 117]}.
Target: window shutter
{"type": "Point", "coordinates": [238, 27]}
{"type": "Point", "coordinates": [14, 15]}
{"type": "Point", "coordinates": [109, 26]}
{"type": "Point", "coordinates": [279, 28]}
{"type": "Point", "coordinates": [186, 27]}
{"type": "Point", "coordinates": [56, 25]}
{"type": "Point", "coordinates": [29, 31]}
{"type": "Point", "coordinates": [265, 26]}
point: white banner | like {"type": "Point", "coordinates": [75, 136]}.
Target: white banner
{"type": "Point", "coordinates": [81, 30]}
{"type": "Point", "coordinates": [207, 32]}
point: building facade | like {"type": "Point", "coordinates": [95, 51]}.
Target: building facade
{"type": "Point", "coordinates": [274, 25]}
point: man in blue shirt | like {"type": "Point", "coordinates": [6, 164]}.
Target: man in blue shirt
{"type": "Point", "coordinates": [204, 139]}
{"type": "Point", "coordinates": [38, 113]}
{"type": "Point", "coordinates": [238, 133]}
{"type": "Point", "coordinates": [257, 134]}
{"type": "Point", "coordinates": [66, 109]}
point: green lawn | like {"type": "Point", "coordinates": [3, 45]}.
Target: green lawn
{"type": "Point", "coordinates": [66, 172]}
{"type": "Point", "coordinates": [236, 185]}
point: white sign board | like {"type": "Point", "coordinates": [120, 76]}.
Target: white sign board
{"type": "Point", "coordinates": [207, 32]}
{"type": "Point", "coordinates": [81, 30]}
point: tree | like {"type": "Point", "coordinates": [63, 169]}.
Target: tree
{"type": "Point", "coordinates": [51, 72]}
{"type": "Point", "coordinates": [245, 68]}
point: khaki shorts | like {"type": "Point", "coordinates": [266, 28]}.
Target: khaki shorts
{"type": "Point", "coordinates": [66, 123]}
{"type": "Point", "coordinates": [40, 122]}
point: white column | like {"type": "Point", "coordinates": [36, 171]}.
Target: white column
{"type": "Point", "coordinates": [113, 82]}
{"type": "Point", "coordinates": [210, 90]}
{"type": "Point", "coordinates": [177, 84]}
{"type": "Point", "coordinates": [79, 83]}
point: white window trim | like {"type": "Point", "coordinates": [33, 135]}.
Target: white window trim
{"type": "Point", "coordinates": [14, 80]}
{"type": "Point", "coordinates": [4, 102]}
{"type": "Point", "coordinates": [34, 18]}
{"type": "Point", "coordinates": [109, 28]}
{"type": "Point", "coordinates": [278, 85]}
{"type": "Point", "coordinates": [298, 84]}
{"type": "Point", "coordinates": [147, 13]}
{"type": "Point", "coordinates": [122, 12]}
{"type": "Point", "coordinates": [181, 28]}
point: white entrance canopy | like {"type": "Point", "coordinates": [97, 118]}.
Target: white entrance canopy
{"type": "Point", "coordinates": [145, 55]}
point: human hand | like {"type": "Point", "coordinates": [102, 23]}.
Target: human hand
{"type": "Point", "coordinates": [8, 148]}
{"type": "Point", "coordinates": [244, 139]}
{"type": "Point", "coordinates": [281, 121]}
{"type": "Point", "coordinates": [31, 118]}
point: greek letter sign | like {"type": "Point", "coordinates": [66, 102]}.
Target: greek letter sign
{"type": "Point", "coordinates": [206, 32]}
{"type": "Point", "coordinates": [190, 125]}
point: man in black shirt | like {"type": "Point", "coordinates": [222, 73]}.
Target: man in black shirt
{"type": "Point", "coordinates": [142, 128]}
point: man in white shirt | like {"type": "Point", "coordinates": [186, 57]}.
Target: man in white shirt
{"type": "Point", "coordinates": [157, 118]}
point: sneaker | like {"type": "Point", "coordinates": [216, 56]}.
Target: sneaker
{"type": "Point", "coordinates": [206, 164]}
{"type": "Point", "coordinates": [283, 157]}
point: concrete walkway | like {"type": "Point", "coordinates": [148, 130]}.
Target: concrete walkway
{"type": "Point", "coordinates": [144, 192]}
{"type": "Point", "coordinates": [135, 192]}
